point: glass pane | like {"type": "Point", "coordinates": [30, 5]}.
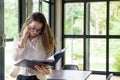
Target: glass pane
{"type": "Point", "coordinates": [74, 52]}
{"type": "Point", "coordinates": [114, 59]}
{"type": "Point", "coordinates": [42, 7]}
{"type": "Point", "coordinates": [74, 13]}
{"type": "Point", "coordinates": [98, 54]}
{"type": "Point", "coordinates": [46, 0]}
{"type": "Point", "coordinates": [98, 18]}
{"type": "Point", "coordinates": [35, 5]}
{"type": "Point", "coordinates": [11, 18]}
{"type": "Point", "coordinates": [114, 18]}
{"type": "Point", "coordinates": [8, 60]}
{"type": "Point", "coordinates": [45, 10]}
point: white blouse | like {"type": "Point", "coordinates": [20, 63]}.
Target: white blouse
{"type": "Point", "coordinates": [28, 52]}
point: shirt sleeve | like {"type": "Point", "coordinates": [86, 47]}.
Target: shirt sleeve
{"type": "Point", "coordinates": [18, 52]}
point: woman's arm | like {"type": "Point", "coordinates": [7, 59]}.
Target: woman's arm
{"type": "Point", "coordinates": [20, 43]}
{"type": "Point", "coordinates": [24, 37]}
{"type": "Point", "coordinates": [17, 51]}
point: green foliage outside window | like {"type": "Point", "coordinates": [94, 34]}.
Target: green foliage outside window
{"type": "Point", "coordinates": [74, 25]}
{"type": "Point", "coordinates": [116, 63]}
{"type": "Point", "coordinates": [11, 18]}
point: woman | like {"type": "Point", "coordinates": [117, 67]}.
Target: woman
{"type": "Point", "coordinates": [35, 41]}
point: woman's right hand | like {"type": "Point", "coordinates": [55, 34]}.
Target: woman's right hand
{"type": "Point", "coordinates": [26, 32]}
{"type": "Point", "coordinates": [24, 38]}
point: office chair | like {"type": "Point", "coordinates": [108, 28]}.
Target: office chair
{"type": "Point", "coordinates": [109, 76]}
{"type": "Point", "coordinates": [70, 67]}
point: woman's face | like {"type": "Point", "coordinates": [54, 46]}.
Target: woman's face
{"type": "Point", "coordinates": [35, 28]}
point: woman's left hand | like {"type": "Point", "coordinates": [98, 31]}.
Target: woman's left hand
{"type": "Point", "coordinates": [42, 69]}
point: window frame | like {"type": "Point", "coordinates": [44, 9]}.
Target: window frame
{"type": "Point", "coordinates": [86, 35]}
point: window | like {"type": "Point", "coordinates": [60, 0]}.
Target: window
{"type": "Point", "coordinates": [74, 26]}
{"type": "Point", "coordinates": [91, 31]}
{"type": "Point", "coordinates": [11, 29]}
{"type": "Point", "coordinates": [74, 18]}
{"type": "Point", "coordinates": [11, 14]}
{"type": "Point", "coordinates": [42, 6]}
{"type": "Point", "coordinates": [98, 28]}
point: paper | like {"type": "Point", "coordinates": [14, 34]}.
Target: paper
{"type": "Point", "coordinates": [52, 60]}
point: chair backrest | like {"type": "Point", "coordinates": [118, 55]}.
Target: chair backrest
{"type": "Point", "coordinates": [70, 67]}
{"type": "Point", "coordinates": [109, 76]}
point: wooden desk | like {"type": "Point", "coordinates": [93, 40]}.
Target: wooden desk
{"type": "Point", "coordinates": [68, 75]}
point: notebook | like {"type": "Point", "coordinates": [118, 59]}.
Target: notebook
{"type": "Point", "coordinates": [51, 61]}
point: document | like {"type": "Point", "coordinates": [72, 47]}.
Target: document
{"type": "Point", "coordinates": [51, 61]}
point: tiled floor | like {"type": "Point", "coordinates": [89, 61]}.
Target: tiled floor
{"type": "Point", "coordinates": [102, 77]}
